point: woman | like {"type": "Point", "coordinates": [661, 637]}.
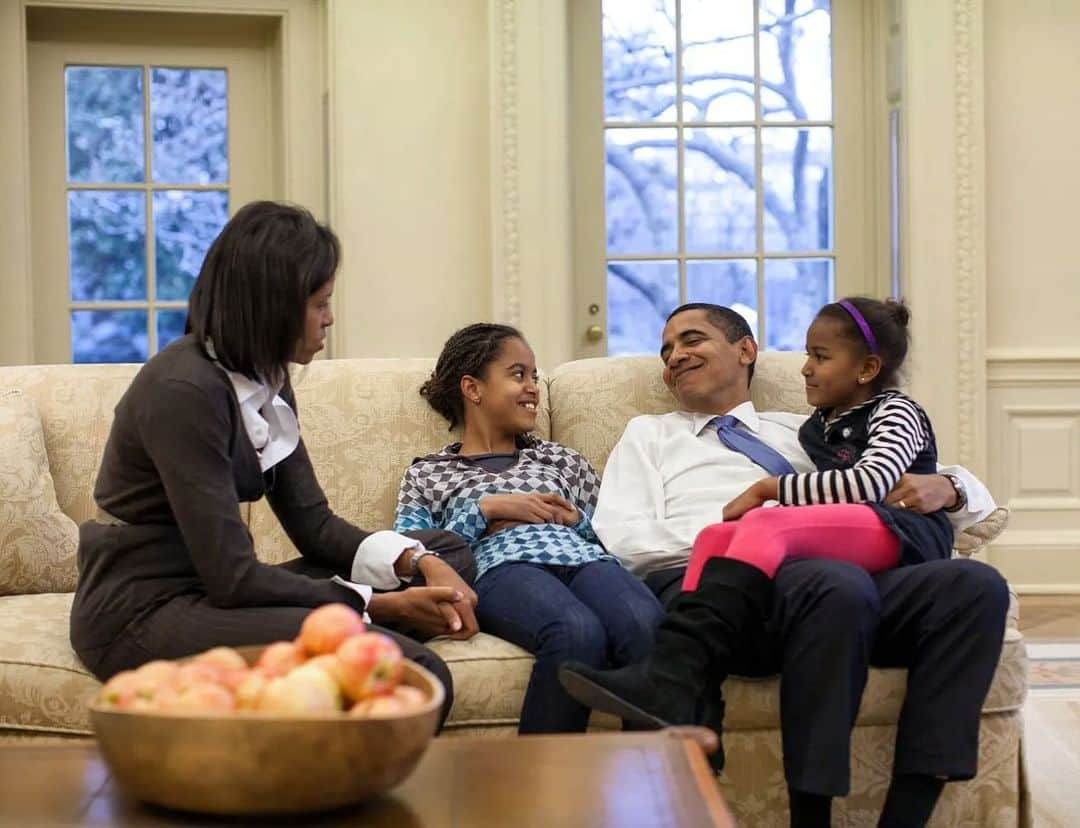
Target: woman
{"type": "Point", "coordinates": [168, 567]}
{"type": "Point", "coordinates": [544, 580]}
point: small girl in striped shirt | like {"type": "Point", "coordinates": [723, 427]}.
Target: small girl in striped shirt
{"type": "Point", "coordinates": [862, 436]}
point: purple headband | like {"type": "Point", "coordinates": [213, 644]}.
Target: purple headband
{"type": "Point", "coordinates": [868, 334]}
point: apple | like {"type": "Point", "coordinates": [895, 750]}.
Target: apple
{"type": "Point", "coordinates": [121, 690]}
{"type": "Point", "coordinates": [249, 690]}
{"type": "Point", "coordinates": [159, 672]}
{"type": "Point", "coordinates": [197, 672]}
{"type": "Point", "coordinates": [368, 665]}
{"type": "Point", "coordinates": [200, 697]}
{"type": "Point", "coordinates": [225, 658]}
{"type": "Point", "coordinates": [280, 657]}
{"type": "Point", "coordinates": [300, 692]}
{"type": "Point", "coordinates": [378, 707]}
{"type": "Point", "coordinates": [329, 625]}
{"type": "Point", "coordinates": [320, 675]}
{"type": "Point", "coordinates": [411, 697]}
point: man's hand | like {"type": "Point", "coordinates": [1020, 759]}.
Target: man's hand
{"type": "Point", "coordinates": [764, 490]}
{"type": "Point", "coordinates": [438, 573]}
{"type": "Point", "coordinates": [922, 493]}
{"type": "Point", "coordinates": [529, 508]}
{"type": "Point", "coordinates": [427, 609]}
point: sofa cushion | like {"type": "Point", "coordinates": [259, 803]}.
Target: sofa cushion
{"type": "Point", "coordinates": [592, 400]}
{"type": "Point", "coordinates": [43, 686]}
{"type": "Point", "coordinates": [490, 677]}
{"type": "Point", "coordinates": [75, 403]}
{"type": "Point", "coordinates": [38, 542]}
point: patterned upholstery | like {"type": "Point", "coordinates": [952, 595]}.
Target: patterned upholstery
{"type": "Point", "coordinates": [39, 541]}
{"type": "Point", "coordinates": [363, 422]}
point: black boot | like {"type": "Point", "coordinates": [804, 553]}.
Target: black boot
{"type": "Point", "coordinates": [695, 645]}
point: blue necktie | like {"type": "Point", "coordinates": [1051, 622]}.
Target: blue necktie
{"type": "Point", "coordinates": [746, 443]}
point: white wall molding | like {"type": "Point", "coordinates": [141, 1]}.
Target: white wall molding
{"type": "Point", "coordinates": [532, 283]}
{"type": "Point", "coordinates": [970, 253]}
{"type": "Point", "coordinates": [1033, 367]}
{"type": "Point", "coordinates": [944, 219]}
{"type": "Point", "coordinates": [505, 194]}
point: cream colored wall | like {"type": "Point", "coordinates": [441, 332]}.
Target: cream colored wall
{"type": "Point", "coordinates": [1033, 285]}
{"type": "Point", "coordinates": [410, 160]}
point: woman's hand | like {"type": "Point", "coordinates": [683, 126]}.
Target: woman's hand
{"type": "Point", "coordinates": [438, 573]}
{"type": "Point", "coordinates": [529, 508]}
{"type": "Point", "coordinates": [427, 609]}
{"type": "Point", "coordinates": [764, 490]}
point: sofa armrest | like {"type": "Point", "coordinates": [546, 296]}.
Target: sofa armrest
{"type": "Point", "coordinates": [975, 538]}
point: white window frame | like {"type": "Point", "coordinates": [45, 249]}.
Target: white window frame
{"type": "Point", "coordinates": [861, 216]}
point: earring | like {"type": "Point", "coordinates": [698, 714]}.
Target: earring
{"type": "Point", "coordinates": [862, 380]}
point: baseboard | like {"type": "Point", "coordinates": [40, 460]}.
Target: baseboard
{"type": "Point", "coordinates": [1046, 589]}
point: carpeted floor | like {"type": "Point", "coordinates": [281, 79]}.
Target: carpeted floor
{"type": "Point", "coordinates": [1052, 733]}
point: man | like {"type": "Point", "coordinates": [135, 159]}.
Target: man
{"type": "Point", "coordinates": [669, 476]}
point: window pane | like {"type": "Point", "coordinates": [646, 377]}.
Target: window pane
{"type": "Point", "coordinates": [731, 283]}
{"type": "Point", "coordinates": [718, 60]}
{"type": "Point", "coordinates": [797, 173]}
{"type": "Point", "coordinates": [107, 244]}
{"type": "Point", "coordinates": [108, 336]}
{"type": "Point", "coordinates": [104, 124]}
{"type": "Point", "coordinates": [718, 184]}
{"type": "Point", "coordinates": [795, 290]}
{"type": "Point", "coordinates": [170, 326]}
{"type": "Point", "coordinates": [642, 214]}
{"type": "Point", "coordinates": [796, 60]}
{"type": "Point", "coordinates": [185, 223]}
{"type": "Point", "coordinates": [189, 114]}
{"type": "Point", "coordinates": [640, 295]}
{"type": "Point", "coordinates": [639, 67]}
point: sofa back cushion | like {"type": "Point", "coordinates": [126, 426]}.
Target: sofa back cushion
{"type": "Point", "coordinates": [592, 400]}
{"type": "Point", "coordinates": [75, 404]}
{"type": "Point", "coordinates": [38, 542]}
{"type": "Point", "coordinates": [363, 422]}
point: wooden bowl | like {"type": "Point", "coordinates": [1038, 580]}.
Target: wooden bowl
{"type": "Point", "coordinates": [263, 763]}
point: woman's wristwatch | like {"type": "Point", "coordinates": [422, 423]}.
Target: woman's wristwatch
{"type": "Point", "coordinates": [961, 493]}
{"type": "Point", "coordinates": [414, 559]}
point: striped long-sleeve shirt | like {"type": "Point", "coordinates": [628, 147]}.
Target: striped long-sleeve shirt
{"type": "Point", "coordinates": [861, 454]}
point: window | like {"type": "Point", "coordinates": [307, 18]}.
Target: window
{"type": "Point", "coordinates": [719, 123]}
{"type": "Point", "coordinates": [147, 130]}
{"type": "Point", "coordinates": [147, 192]}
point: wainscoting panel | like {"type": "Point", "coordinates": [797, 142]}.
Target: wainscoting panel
{"type": "Point", "coordinates": [1034, 465]}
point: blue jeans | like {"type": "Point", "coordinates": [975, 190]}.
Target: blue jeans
{"type": "Point", "coordinates": [598, 614]}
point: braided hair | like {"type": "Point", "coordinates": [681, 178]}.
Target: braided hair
{"type": "Point", "coordinates": [467, 353]}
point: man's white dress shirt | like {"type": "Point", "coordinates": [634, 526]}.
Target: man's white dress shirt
{"type": "Point", "coordinates": [669, 477]}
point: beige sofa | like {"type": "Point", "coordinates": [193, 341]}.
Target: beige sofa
{"type": "Point", "coordinates": [363, 422]}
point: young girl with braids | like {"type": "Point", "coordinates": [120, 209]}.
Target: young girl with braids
{"type": "Point", "coordinates": [863, 435]}
{"type": "Point", "coordinates": [544, 582]}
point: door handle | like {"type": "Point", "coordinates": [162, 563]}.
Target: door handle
{"type": "Point", "coordinates": [594, 333]}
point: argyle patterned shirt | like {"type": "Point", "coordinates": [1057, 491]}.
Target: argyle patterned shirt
{"type": "Point", "coordinates": [443, 491]}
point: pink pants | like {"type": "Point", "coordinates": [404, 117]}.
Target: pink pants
{"type": "Point", "coordinates": [765, 538]}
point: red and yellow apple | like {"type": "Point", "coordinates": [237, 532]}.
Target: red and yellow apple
{"type": "Point", "coordinates": [368, 665]}
{"type": "Point", "coordinates": [327, 627]}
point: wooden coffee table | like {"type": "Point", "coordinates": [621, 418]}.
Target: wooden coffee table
{"type": "Point", "coordinates": [616, 780]}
